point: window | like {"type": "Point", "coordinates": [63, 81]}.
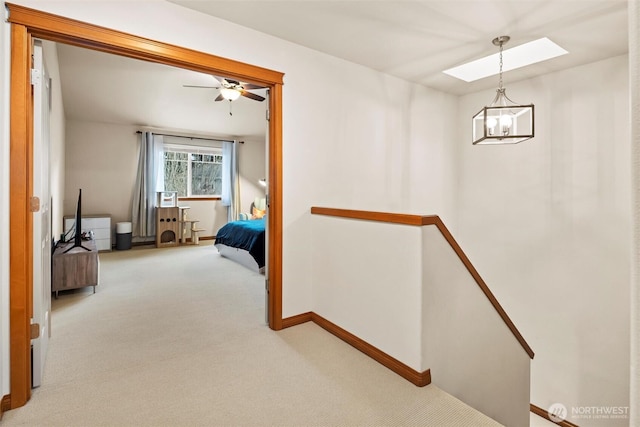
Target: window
{"type": "Point", "coordinates": [193, 171]}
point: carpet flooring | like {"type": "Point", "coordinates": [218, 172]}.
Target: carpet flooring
{"type": "Point", "coordinates": [177, 337]}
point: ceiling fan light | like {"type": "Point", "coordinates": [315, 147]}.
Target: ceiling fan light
{"type": "Point", "coordinates": [230, 94]}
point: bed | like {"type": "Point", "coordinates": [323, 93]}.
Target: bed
{"type": "Point", "coordinates": [243, 242]}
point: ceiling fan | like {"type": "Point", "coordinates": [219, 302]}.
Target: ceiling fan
{"type": "Point", "coordinates": [233, 89]}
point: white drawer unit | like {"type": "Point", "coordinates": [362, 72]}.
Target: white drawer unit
{"type": "Point", "coordinates": [99, 224]}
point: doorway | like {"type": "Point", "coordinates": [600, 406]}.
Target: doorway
{"type": "Point", "coordinates": [27, 24]}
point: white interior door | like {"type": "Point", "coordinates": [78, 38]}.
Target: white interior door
{"type": "Point", "coordinates": [266, 234]}
{"type": "Point", "coordinates": [41, 217]}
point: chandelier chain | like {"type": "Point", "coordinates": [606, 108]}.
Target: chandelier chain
{"type": "Point", "coordinates": [500, 82]}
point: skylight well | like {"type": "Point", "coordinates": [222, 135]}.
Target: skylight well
{"type": "Point", "coordinates": [516, 57]}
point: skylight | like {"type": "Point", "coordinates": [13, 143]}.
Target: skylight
{"type": "Point", "coordinates": [516, 57]}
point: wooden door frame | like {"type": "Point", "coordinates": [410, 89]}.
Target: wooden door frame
{"type": "Point", "coordinates": [28, 23]}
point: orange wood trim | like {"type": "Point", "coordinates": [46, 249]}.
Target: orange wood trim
{"type": "Point", "coordinates": [64, 30]}
{"type": "Point", "coordinates": [394, 218]}
{"type": "Point", "coordinates": [545, 414]}
{"type": "Point", "coordinates": [28, 22]}
{"type": "Point", "coordinates": [274, 218]}
{"type": "Point", "coordinates": [420, 379]}
{"type": "Point", "coordinates": [418, 220]}
{"type": "Point", "coordinates": [5, 404]}
{"type": "Point", "coordinates": [20, 237]}
{"type": "Point", "coordinates": [297, 320]}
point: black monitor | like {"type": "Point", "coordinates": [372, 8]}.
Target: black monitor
{"type": "Point", "coordinates": [77, 239]}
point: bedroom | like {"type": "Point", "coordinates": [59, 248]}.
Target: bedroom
{"type": "Point", "coordinates": [307, 182]}
{"type": "Point", "coordinates": [101, 121]}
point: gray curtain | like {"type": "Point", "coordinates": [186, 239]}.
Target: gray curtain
{"type": "Point", "coordinates": [149, 181]}
{"type": "Point", "coordinates": [230, 180]}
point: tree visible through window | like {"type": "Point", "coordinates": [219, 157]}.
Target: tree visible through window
{"type": "Point", "coordinates": [193, 174]}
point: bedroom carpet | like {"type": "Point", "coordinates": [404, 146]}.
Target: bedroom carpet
{"type": "Point", "coordinates": [176, 337]}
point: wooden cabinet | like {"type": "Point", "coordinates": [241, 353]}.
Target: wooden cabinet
{"type": "Point", "coordinates": [99, 224]}
{"type": "Point", "coordinates": [75, 269]}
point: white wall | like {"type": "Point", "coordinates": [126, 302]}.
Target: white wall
{"type": "Point", "coordinates": [634, 89]}
{"type": "Point", "coordinates": [5, 49]}
{"type": "Point", "coordinates": [102, 160]}
{"type": "Point", "coordinates": [252, 164]}
{"type": "Point", "coordinates": [547, 224]}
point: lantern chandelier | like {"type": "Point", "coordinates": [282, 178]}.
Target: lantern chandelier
{"type": "Point", "coordinates": [503, 121]}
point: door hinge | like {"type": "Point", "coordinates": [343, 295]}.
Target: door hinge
{"type": "Point", "coordinates": [34, 204]}
{"type": "Point", "coordinates": [266, 285]}
{"type": "Point", "coordinates": [35, 331]}
{"type": "Point", "coordinates": [268, 114]}
{"type": "Point", "coordinates": [35, 76]}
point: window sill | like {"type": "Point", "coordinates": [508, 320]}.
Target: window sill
{"type": "Point", "coordinates": [200, 198]}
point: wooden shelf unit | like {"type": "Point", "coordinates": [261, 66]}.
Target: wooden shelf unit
{"type": "Point", "coordinates": [167, 227]}
{"type": "Point", "coordinates": [173, 227]}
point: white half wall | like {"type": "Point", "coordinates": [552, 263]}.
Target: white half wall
{"type": "Point", "coordinates": [367, 279]}
{"type": "Point", "coordinates": [403, 290]}
{"type": "Point", "coordinates": [547, 224]}
{"type": "Point", "coordinates": [471, 352]}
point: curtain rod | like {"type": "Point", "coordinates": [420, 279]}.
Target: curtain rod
{"type": "Point", "coordinates": [194, 137]}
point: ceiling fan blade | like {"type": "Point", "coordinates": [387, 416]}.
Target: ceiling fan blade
{"type": "Point", "coordinates": [252, 95]}
{"type": "Point", "coordinates": [202, 87]}
{"type": "Point", "coordinates": [250, 86]}
{"type": "Point", "coordinates": [219, 98]}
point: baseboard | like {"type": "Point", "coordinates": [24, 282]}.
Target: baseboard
{"type": "Point", "coordinates": [5, 404]}
{"type": "Point", "coordinates": [545, 414]}
{"type": "Point", "coordinates": [153, 242]}
{"type": "Point", "coordinates": [297, 320]}
{"type": "Point", "coordinates": [420, 379]}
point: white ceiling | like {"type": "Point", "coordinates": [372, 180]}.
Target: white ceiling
{"type": "Point", "coordinates": [101, 87]}
{"type": "Point", "coordinates": [413, 40]}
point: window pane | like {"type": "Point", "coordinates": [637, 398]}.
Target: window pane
{"type": "Point", "coordinates": [206, 179]}
{"type": "Point", "coordinates": [175, 172]}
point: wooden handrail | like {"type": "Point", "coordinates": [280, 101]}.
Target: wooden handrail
{"type": "Point", "coordinates": [422, 220]}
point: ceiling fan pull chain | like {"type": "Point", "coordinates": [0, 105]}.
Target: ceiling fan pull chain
{"type": "Point", "coordinates": [230, 108]}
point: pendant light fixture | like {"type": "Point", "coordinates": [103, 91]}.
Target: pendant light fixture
{"type": "Point", "coordinates": [503, 121]}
